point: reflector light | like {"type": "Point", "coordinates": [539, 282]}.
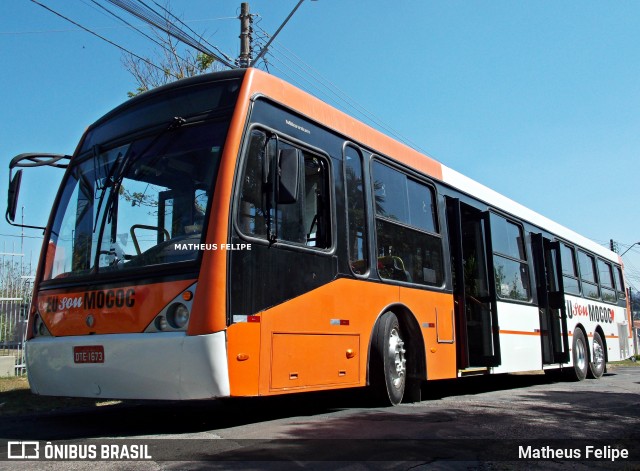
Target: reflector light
{"type": "Point", "coordinates": [339, 321]}
{"type": "Point", "coordinates": [253, 318]}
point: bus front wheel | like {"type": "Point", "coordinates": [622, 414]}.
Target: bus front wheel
{"type": "Point", "coordinates": [388, 368]}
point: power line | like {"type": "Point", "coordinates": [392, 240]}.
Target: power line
{"type": "Point", "coordinates": [190, 29]}
{"type": "Point", "coordinates": [102, 37]}
{"type": "Point", "coordinates": [154, 40]}
{"type": "Point", "coordinates": [334, 91]}
{"type": "Point", "coordinates": [46, 31]}
{"type": "Point", "coordinates": [147, 14]}
{"type": "Point", "coordinates": [20, 236]}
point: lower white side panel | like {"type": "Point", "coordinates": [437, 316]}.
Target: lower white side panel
{"type": "Point", "coordinates": [167, 365]}
{"type": "Point", "coordinates": [520, 346]}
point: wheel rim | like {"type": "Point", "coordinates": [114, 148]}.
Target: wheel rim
{"type": "Point", "coordinates": [581, 355]}
{"type": "Point", "coordinates": [398, 363]}
{"type": "Point", "coordinates": [598, 355]}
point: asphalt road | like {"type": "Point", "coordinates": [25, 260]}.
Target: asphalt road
{"type": "Point", "coordinates": [471, 423]}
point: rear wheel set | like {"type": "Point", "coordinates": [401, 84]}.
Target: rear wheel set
{"type": "Point", "coordinates": [587, 364]}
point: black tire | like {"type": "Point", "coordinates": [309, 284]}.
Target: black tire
{"type": "Point", "coordinates": [388, 368]}
{"type": "Point", "coordinates": [579, 356]}
{"type": "Point", "coordinates": [597, 363]}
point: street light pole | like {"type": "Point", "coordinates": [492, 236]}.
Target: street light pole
{"type": "Point", "coordinates": [635, 243]}
{"type": "Point", "coordinates": [264, 49]}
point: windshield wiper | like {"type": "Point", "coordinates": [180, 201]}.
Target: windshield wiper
{"type": "Point", "coordinates": [105, 185]}
{"type": "Point", "coordinates": [128, 163]}
{"type": "Point", "coordinates": [116, 183]}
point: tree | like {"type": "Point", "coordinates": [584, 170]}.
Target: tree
{"type": "Point", "coordinates": [169, 63]}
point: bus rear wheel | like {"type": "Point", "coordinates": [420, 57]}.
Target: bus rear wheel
{"type": "Point", "coordinates": [580, 356]}
{"type": "Point", "coordinates": [388, 367]}
{"type": "Point", "coordinates": [597, 363]}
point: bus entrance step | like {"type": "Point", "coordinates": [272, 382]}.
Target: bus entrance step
{"type": "Point", "coordinates": [473, 371]}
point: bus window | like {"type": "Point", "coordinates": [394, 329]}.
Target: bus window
{"type": "Point", "coordinates": [509, 260]}
{"type": "Point", "coordinates": [253, 199]}
{"type": "Point", "coordinates": [356, 213]}
{"type": "Point", "coordinates": [136, 205]}
{"type": "Point", "coordinates": [622, 294]}
{"type": "Point", "coordinates": [405, 211]}
{"type": "Point", "coordinates": [605, 274]}
{"type": "Point", "coordinates": [305, 221]}
{"type": "Point", "coordinates": [588, 275]}
{"type": "Point", "coordinates": [570, 277]}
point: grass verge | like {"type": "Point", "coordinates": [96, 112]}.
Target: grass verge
{"type": "Point", "coordinates": [632, 362]}
{"type": "Point", "coordinates": [16, 398]}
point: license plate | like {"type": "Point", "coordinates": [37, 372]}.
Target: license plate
{"type": "Point", "coordinates": [88, 354]}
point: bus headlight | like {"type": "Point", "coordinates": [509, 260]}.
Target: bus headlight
{"type": "Point", "coordinates": [175, 315]}
{"type": "Point", "coordinates": [178, 315]}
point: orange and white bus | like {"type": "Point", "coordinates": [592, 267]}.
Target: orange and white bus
{"type": "Point", "coordinates": [231, 235]}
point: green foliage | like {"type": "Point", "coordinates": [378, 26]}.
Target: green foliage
{"type": "Point", "coordinates": [204, 62]}
{"type": "Point", "coordinates": [170, 63]}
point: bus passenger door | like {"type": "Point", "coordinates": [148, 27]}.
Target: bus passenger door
{"type": "Point", "coordinates": [551, 302]}
{"type": "Point", "coordinates": [477, 331]}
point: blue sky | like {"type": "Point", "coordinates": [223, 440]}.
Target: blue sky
{"type": "Point", "coordinates": [539, 100]}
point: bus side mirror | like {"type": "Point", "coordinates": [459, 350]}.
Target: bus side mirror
{"type": "Point", "coordinates": [14, 192]}
{"type": "Point", "coordinates": [288, 176]}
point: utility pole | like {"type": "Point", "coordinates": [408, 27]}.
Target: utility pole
{"type": "Point", "coordinates": [635, 332]}
{"type": "Point", "coordinates": [245, 36]}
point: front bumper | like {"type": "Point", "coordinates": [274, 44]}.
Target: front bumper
{"type": "Point", "coordinates": [167, 365]}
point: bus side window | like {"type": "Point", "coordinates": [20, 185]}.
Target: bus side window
{"type": "Point", "coordinates": [607, 285]}
{"type": "Point", "coordinates": [356, 212]}
{"type": "Point", "coordinates": [303, 222]}
{"type": "Point", "coordinates": [570, 278]}
{"type": "Point", "coordinates": [511, 271]}
{"type": "Point", "coordinates": [409, 246]}
{"type": "Point", "coordinates": [253, 204]}
{"type": "Point", "coordinates": [588, 275]}
{"type": "Point", "coordinates": [622, 294]}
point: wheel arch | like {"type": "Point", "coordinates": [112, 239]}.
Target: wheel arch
{"type": "Point", "coordinates": [417, 367]}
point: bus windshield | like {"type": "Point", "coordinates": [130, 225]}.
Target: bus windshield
{"type": "Point", "coordinates": [137, 203]}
